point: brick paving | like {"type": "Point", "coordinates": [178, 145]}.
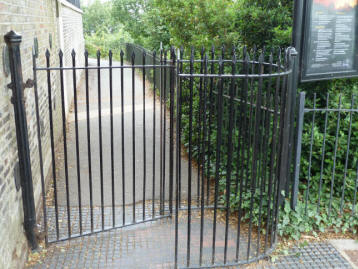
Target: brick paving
{"type": "Point", "coordinates": [147, 245]}
{"type": "Point", "coordinates": [151, 244]}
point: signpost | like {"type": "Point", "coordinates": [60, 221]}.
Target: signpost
{"type": "Point", "coordinates": [329, 44]}
{"type": "Point", "coordinates": [325, 37]}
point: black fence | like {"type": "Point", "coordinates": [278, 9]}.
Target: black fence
{"type": "Point", "coordinates": [326, 158]}
{"type": "Point", "coordinates": [217, 148]}
{"type": "Point", "coordinates": [233, 107]}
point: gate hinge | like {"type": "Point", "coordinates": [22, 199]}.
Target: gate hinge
{"type": "Point", "coordinates": [29, 84]}
{"type": "Point", "coordinates": [10, 86]}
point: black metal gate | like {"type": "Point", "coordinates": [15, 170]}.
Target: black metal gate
{"type": "Point", "coordinates": [105, 184]}
{"type": "Point", "coordinates": [206, 143]}
{"type": "Point", "coordinates": [233, 117]}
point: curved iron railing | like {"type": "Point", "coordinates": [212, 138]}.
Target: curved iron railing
{"type": "Point", "coordinates": [226, 117]}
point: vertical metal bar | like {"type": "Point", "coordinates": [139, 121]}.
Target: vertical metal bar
{"type": "Point", "coordinates": [64, 133]}
{"type": "Point", "coordinates": [180, 70]}
{"type": "Point", "coordinates": [218, 154]}
{"type": "Point", "coordinates": [264, 139]}
{"type": "Point", "coordinates": [52, 142]}
{"type": "Point", "coordinates": [335, 155]}
{"type": "Point", "coordinates": [122, 138]}
{"type": "Point", "coordinates": [133, 134]}
{"type": "Point", "coordinates": [251, 112]}
{"type": "Point", "coordinates": [77, 140]}
{"type": "Point", "coordinates": [202, 209]}
{"type": "Point", "coordinates": [191, 85]}
{"type": "Point", "coordinates": [178, 156]}
{"type": "Point", "coordinates": [164, 126]}
{"type": "Point", "coordinates": [301, 115]}
{"type": "Point", "coordinates": [243, 147]}
{"type": "Point", "coordinates": [282, 149]}
{"type": "Point", "coordinates": [199, 125]}
{"type": "Point", "coordinates": [241, 119]}
{"type": "Point", "coordinates": [211, 112]}
{"type": "Point", "coordinates": [355, 193]}
{"type": "Point", "coordinates": [100, 132]}
{"type": "Point", "coordinates": [274, 166]}
{"type": "Point", "coordinates": [110, 56]}
{"type": "Point", "coordinates": [144, 136]}
{"type": "Point", "coordinates": [230, 154]}
{"type": "Point", "coordinates": [161, 132]}
{"type": "Point", "coordinates": [89, 139]}
{"type": "Point", "coordinates": [323, 154]}
{"type": "Point", "coordinates": [310, 156]}
{"type": "Point", "coordinates": [347, 153]}
{"type": "Point", "coordinates": [255, 149]}
{"type": "Point", "coordinates": [43, 185]}
{"type": "Point", "coordinates": [171, 132]}
{"type": "Point", "coordinates": [154, 131]}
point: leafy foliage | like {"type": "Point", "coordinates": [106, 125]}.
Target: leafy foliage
{"type": "Point", "coordinates": [102, 31]}
{"type": "Point", "coordinates": [141, 19]}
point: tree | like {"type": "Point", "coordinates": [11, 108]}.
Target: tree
{"type": "Point", "coordinates": [199, 22]}
{"type": "Point", "coordinates": [97, 18]}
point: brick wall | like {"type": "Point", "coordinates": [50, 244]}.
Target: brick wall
{"type": "Point", "coordinates": [31, 18]}
{"type": "Point", "coordinates": [71, 24]}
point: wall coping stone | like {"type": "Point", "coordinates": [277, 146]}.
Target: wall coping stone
{"type": "Point", "coordinates": [69, 5]}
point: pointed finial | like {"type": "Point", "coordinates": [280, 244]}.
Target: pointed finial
{"type": "Point", "coordinates": [234, 60]}
{"type": "Point", "coordinates": [60, 53]}
{"type": "Point", "coordinates": [73, 53]}
{"type": "Point", "coordinates": [202, 52]}
{"type": "Point", "coordinates": [12, 37]}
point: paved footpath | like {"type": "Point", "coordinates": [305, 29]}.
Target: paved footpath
{"type": "Point", "coordinates": [143, 163]}
{"type": "Point", "coordinates": [149, 245]}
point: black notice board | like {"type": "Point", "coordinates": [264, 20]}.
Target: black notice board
{"type": "Point", "coordinates": [330, 41]}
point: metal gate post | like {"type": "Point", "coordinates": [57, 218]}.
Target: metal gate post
{"type": "Point", "coordinates": [13, 41]}
{"type": "Point", "coordinates": [285, 165]}
{"type": "Point", "coordinates": [298, 146]}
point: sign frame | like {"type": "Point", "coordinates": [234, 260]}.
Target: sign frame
{"type": "Point", "coordinates": [307, 77]}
